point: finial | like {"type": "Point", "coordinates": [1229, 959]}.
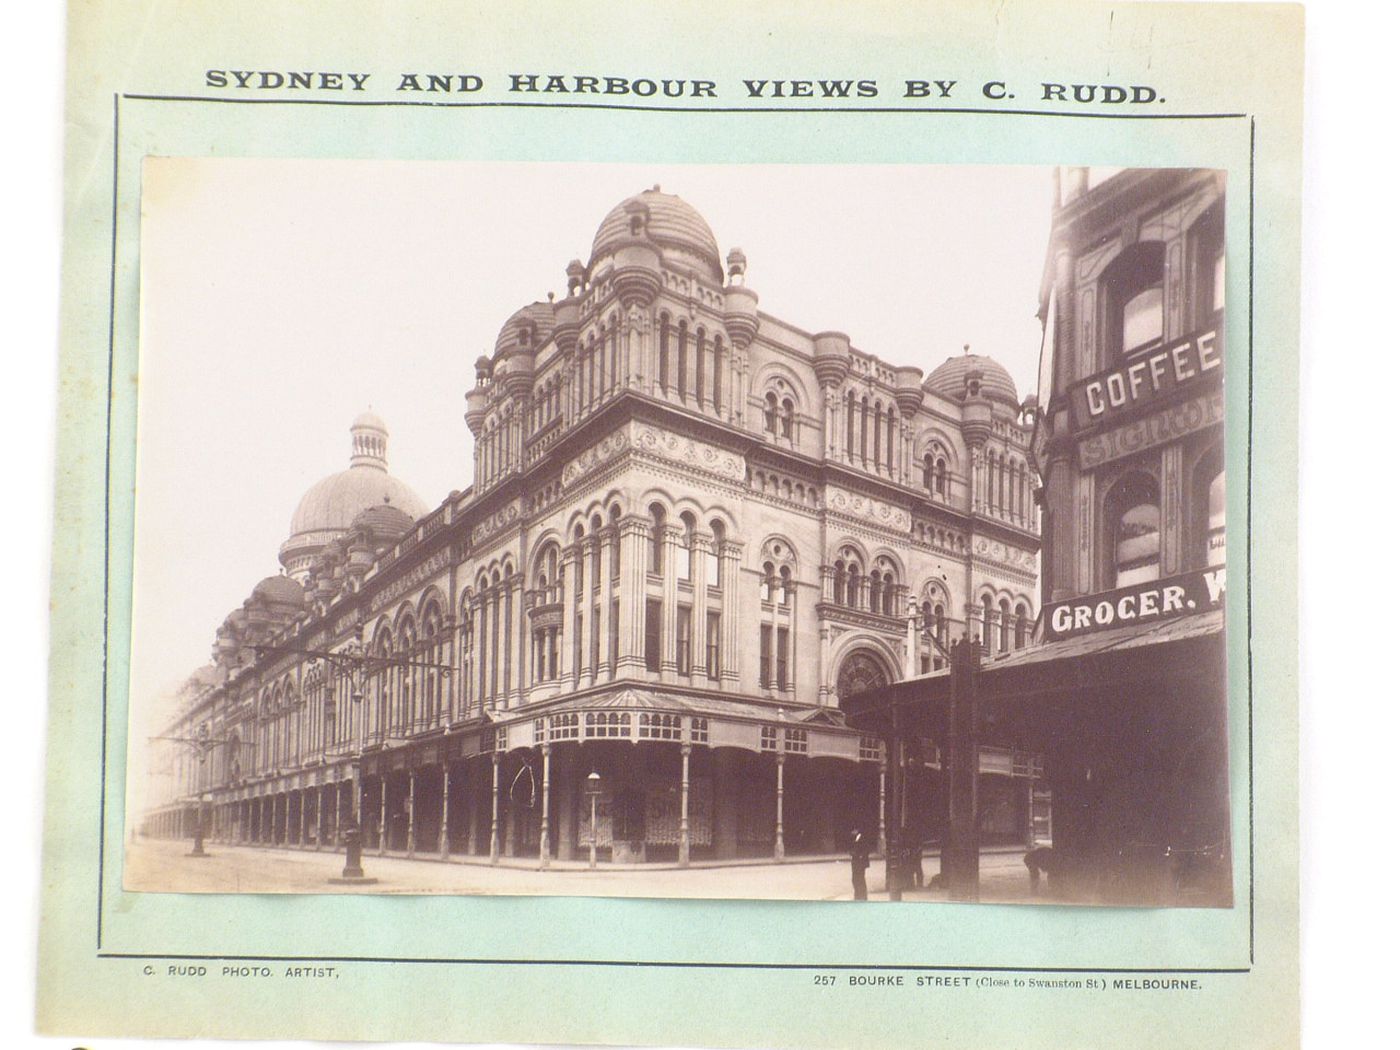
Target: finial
{"type": "Point", "coordinates": [967, 347]}
{"type": "Point", "coordinates": [656, 188]}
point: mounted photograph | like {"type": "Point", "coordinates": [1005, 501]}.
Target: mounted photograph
{"type": "Point", "coordinates": [871, 549]}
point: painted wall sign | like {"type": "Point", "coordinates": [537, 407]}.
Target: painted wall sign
{"type": "Point", "coordinates": [1166, 599]}
{"type": "Point", "coordinates": [1149, 378]}
{"type": "Point", "coordinates": [1151, 431]}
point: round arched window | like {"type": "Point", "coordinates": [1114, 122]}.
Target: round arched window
{"type": "Point", "coordinates": [1135, 519]}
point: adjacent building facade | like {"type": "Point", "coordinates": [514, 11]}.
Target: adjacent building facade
{"type": "Point", "coordinates": [692, 527]}
{"type": "Point", "coordinates": [1124, 692]}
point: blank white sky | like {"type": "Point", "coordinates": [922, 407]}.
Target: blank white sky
{"type": "Point", "coordinates": [280, 298]}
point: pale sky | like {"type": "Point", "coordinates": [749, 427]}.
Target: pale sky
{"type": "Point", "coordinates": [282, 297]}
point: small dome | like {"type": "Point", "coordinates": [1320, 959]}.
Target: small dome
{"type": "Point", "coordinates": [663, 218]}
{"type": "Point", "coordinates": [367, 420]}
{"type": "Point", "coordinates": [384, 522]}
{"type": "Point", "coordinates": [953, 379]}
{"type": "Point", "coordinates": [280, 589]}
{"type": "Point", "coordinates": [527, 328]}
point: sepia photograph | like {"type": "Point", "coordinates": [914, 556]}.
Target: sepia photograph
{"type": "Point", "coordinates": [826, 533]}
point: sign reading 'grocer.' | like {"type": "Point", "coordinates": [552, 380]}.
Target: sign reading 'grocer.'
{"type": "Point", "coordinates": [1156, 600]}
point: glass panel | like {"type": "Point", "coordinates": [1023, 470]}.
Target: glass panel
{"type": "Point", "coordinates": [1142, 320]}
{"type": "Point", "coordinates": [1215, 534]}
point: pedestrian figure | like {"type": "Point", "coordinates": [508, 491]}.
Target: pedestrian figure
{"type": "Point", "coordinates": [860, 860]}
{"type": "Point", "coordinates": [914, 855]}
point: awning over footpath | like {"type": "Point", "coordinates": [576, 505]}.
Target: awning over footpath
{"type": "Point", "coordinates": [1047, 673]}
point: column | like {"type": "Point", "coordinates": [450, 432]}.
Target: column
{"type": "Point", "coordinates": [586, 669]}
{"type": "Point", "coordinates": [673, 539]}
{"type": "Point", "coordinates": [731, 605]}
{"type": "Point", "coordinates": [826, 695]}
{"type": "Point", "coordinates": [383, 812]}
{"type": "Point", "coordinates": [880, 836]}
{"type": "Point", "coordinates": [544, 808]}
{"type": "Point", "coordinates": [631, 654]}
{"type": "Point", "coordinates": [519, 632]}
{"type": "Point", "coordinates": [286, 818]}
{"type": "Point", "coordinates": [495, 806]}
{"type": "Point", "coordinates": [700, 574]}
{"type": "Point", "coordinates": [567, 671]}
{"type": "Point", "coordinates": [685, 806]}
{"type": "Point", "coordinates": [444, 847]}
{"type": "Point", "coordinates": [1173, 519]}
{"type": "Point", "coordinates": [412, 809]}
{"type": "Point", "coordinates": [911, 639]}
{"type": "Point", "coordinates": [778, 828]}
{"type": "Point", "coordinates": [608, 539]}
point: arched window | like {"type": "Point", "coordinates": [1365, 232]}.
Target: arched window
{"type": "Point", "coordinates": [785, 584]}
{"type": "Point", "coordinates": [876, 590]}
{"type": "Point", "coordinates": [615, 568]}
{"type": "Point", "coordinates": [699, 364]}
{"type": "Point", "coordinates": [680, 359]}
{"type": "Point", "coordinates": [712, 577]}
{"type": "Point", "coordinates": [988, 623]}
{"type": "Point", "coordinates": [663, 364]}
{"type": "Point", "coordinates": [658, 536]}
{"type": "Point", "coordinates": [597, 554]}
{"type": "Point", "coordinates": [878, 413]}
{"type": "Point", "coordinates": [1023, 625]}
{"type": "Point", "coordinates": [1135, 319]}
{"type": "Point", "coordinates": [765, 584]}
{"type": "Point", "coordinates": [686, 559]}
{"type": "Point", "coordinates": [853, 576]}
{"type": "Point", "coordinates": [787, 417]}
{"type": "Point", "coordinates": [770, 413]}
{"type": "Point", "coordinates": [928, 471]}
{"type": "Point", "coordinates": [850, 423]}
{"type": "Point", "coordinates": [860, 672]}
{"type": "Point", "coordinates": [1215, 521]}
{"type": "Point", "coordinates": [940, 477]}
{"type": "Point", "coordinates": [838, 577]}
{"type": "Point", "coordinates": [719, 371]}
{"type": "Point", "coordinates": [864, 429]}
{"type": "Point", "coordinates": [1005, 641]}
{"type": "Point", "coordinates": [1135, 537]}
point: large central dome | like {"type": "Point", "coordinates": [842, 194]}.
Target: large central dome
{"type": "Point", "coordinates": [678, 229]}
{"type": "Point", "coordinates": [331, 505]}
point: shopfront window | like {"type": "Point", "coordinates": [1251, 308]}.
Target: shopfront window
{"type": "Point", "coordinates": [1215, 522]}
{"type": "Point", "coordinates": [1137, 539]}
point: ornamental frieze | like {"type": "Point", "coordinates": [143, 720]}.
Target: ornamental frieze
{"type": "Point", "coordinates": [612, 446]}
{"type": "Point", "coordinates": [501, 519]}
{"type": "Point", "coordinates": [855, 505]}
{"type": "Point", "coordinates": [697, 455]}
{"type": "Point", "coordinates": [994, 550]}
{"type": "Point", "coordinates": [662, 444]}
{"type": "Point", "coordinates": [416, 576]}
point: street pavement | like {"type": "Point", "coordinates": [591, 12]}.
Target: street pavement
{"type": "Point", "coordinates": [164, 865]}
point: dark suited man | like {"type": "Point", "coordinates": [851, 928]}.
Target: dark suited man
{"type": "Point", "coordinates": [860, 860]}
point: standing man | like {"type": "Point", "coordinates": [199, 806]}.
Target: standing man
{"type": "Point", "coordinates": [860, 860]}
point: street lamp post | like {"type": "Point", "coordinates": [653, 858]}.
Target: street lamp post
{"type": "Point", "coordinates": [593, 789]}
{"type": "Point", "coordinates": [198, 850]}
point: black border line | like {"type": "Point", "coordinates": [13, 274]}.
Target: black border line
{"type": "Point", "coordinates": [644, 108]}
{"type": "Point", "coordinates": [611, 963]}
{"type": "Point", "coordinates": [107, 511]}
{"type": "Point", "coordinates": [1249, 542]}
{"type": "Point", "coordinates": [670, 964]}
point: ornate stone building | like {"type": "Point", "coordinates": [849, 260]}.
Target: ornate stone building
{"type": "Point", "coordinates": [692, 526]}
